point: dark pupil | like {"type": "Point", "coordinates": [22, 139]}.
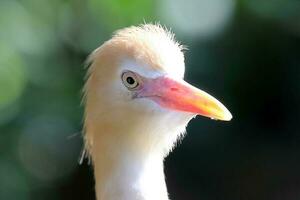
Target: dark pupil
{"type": "Point", "coordinates": [130, 80]}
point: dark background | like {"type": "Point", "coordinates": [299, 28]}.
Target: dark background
{"type": "Point", "coordinates": [245, 53]}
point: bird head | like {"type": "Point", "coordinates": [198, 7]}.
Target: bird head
{"type": "Point", "coordinates": [135, 93]}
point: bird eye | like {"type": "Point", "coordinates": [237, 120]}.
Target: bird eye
{"type": "Point", "coordinates": [130, 80]}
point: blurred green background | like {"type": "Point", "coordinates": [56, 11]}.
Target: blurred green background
{"type": "Point", "coordinates": [244, 52]}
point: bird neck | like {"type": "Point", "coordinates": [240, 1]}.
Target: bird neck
{"type": "Point", "coordinates": [129, 176]}
{"type": "Point", "coordinates": [128, 156]}
{"type": "Point", "coordinates": [127, 169]}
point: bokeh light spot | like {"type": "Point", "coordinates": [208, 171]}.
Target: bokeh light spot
{"type": "Point", "coordinates": [197, 18]}
{"type": "Point", "coordinates": [45, 150]}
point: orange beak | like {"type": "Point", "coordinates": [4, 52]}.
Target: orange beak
{"type": "Point", "coordinates": [181, 96]}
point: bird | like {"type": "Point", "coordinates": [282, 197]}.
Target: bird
{"type": "Point", "coordinates": [137, 106]}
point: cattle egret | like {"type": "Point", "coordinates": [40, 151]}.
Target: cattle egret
{"type": "Point", "coordinates": [136, 106]}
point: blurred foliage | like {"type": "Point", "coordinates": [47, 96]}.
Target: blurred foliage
{"type": "Point", "coordinates": [123, 12]}
{"type": "Point", "coordinates": [10, 63]}
{"type": "Point", "coordinates": [246, 53]}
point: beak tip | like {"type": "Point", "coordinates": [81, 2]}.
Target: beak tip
{"type": "Point", "coordinates": [227, 116]}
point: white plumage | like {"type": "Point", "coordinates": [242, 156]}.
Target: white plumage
{"type": "Point", "coordinates": [136, 107]}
